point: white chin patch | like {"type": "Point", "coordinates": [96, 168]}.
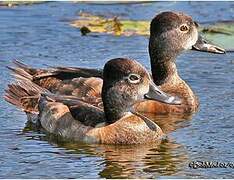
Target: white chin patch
{"type": "Point", "coordinates": [192, 41]}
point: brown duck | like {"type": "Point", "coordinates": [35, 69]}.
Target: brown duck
{"type": "Point", "coordinates": [125, 82]}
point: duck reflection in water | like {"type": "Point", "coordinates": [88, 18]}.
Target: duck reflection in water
{"type": "Point", "coordinates": [164, 158]}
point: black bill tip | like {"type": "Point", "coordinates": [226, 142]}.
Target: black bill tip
{"type": "Point", "coordinates": [205, 46]}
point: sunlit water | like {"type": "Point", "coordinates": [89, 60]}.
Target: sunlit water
{"type": "Point", "coordinates": [40, 35]}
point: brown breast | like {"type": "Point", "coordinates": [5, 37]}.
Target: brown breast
{"type": "Point", "coordinates": [128, 130]}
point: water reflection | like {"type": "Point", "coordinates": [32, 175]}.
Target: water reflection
{"type": "Point", "coordinates": [143, 161]}
{"type": "Point", "coordinates": [127, 161]}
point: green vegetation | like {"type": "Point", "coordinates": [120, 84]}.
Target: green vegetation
{"type": "Point", "coordinates": [221, 34]}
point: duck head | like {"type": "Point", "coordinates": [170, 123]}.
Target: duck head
{"type": "Point", "coordinates": [126, 82]}
{"type": "Point", "coordinates": [173, 32]}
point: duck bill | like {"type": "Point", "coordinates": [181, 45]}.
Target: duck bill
{"type": "Point", "coordinates": [205, 46]}
{"type": "Point", "coordinates": [158, 95]}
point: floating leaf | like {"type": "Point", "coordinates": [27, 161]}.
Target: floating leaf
{"type": "Point", "coordinates": [225, 37]}
{"type": "Point", "coordinates": [19, 2]}
{"type": "Point", "coordinates": [98, 24]}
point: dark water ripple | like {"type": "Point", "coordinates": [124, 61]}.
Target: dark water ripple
{"type": "Point", "coordinates": [40, 36]}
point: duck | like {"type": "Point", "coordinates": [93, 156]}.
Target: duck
{"type": "Point", "coordinates": [125, 82]}
{"type": "Point", "coordinates": [170, 34]}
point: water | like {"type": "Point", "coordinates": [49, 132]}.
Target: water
{"type": "Point", "coordinates": [40, 35]}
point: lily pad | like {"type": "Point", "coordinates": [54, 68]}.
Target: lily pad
{"type": "Point", "coordinates": [220, 33]}
{"type": "Point", "coordinates": [115, 26]}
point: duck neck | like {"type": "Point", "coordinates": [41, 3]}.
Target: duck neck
{"type": "Point", "coordinates": [163, 72]}
{"type": "Point", "coordinates": [115, 104]}
{"type": "Point", "coordinates": [162, 62]}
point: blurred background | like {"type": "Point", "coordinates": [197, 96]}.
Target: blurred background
{"type": "Point", "coordinates": [87, 34]}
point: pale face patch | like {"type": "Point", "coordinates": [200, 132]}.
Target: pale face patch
{"type": "Point", "coordinates": [192, 39]}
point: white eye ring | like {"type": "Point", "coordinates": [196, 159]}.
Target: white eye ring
{"type": "Point", "coordinates": [134, 78]}
{"type": "Point", "coordinates": [184, 28]}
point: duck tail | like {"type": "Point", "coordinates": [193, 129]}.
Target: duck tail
{"type": "Point", "coordinates": [22, 71]}
{"type": "Point", "coordinates": [25, 95]}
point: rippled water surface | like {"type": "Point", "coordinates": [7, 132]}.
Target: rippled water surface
{"type": "Point", "coordinates": [40, 35]}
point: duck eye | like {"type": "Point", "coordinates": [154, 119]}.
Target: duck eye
{"type": "Point", "coordinates": [184, 28]}
{"type": "Point", "coordinates": [134, 78]}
